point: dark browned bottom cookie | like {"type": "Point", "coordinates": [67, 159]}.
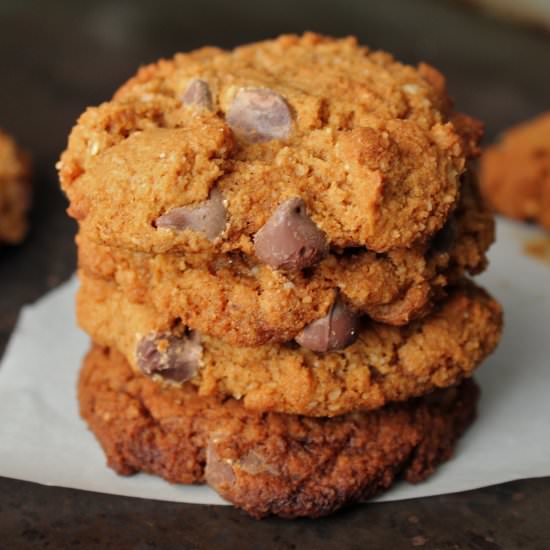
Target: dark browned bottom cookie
{"type": "Point", "coordinates": [266, 463]}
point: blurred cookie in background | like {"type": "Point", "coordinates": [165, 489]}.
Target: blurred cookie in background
{"type": "Point", "coordinates": [15, 191]}
{"type": "Point", "coordinates": [515, 172]}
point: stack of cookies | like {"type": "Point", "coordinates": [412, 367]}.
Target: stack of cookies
{"type": "Point", "coordinates": [273, 247]}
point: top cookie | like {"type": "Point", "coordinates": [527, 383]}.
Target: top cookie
{"type": "Point", "coordinates": [282, 149]}
{"type": "Point", "coordinates": [515, 173]}
{"type": "Point", "coordinates": [15, 194]}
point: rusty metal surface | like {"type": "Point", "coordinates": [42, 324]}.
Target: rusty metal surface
{"type": "Point", "coordinates": [57, 57]}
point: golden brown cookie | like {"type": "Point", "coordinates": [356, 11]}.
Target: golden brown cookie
{"type": "Point", "coordinates": [15, 192]}
{"type": "Point", "coordinates": [384, 363]}
{"type": "Point", "coordinates": [515, 172]}
{"type": "Point", "coordinates": [266, 463]}
{"type": "Point", "coordinates": [223, 151]}
{"type": "Point", "coordinates": [246, 303]}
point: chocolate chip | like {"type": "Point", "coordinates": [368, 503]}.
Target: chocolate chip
{"type": "Point", "coordinates": [197, 94]}
{"type": "Point", "coordinates": [172, 358]}
{"type": "Point", "coordinates": [255, 463]}
{"type": "Point", "coordinates": [218, 473]}
{"type": "Point", "coordinates": [259, 114]}
{"type": "Point", "coordinates": [336, 330]}
{"type": "Point", "coordinates": [290, 240]}
{"type": "Point", "coordinates": [207, 217]}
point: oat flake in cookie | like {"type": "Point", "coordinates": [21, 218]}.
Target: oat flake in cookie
{"type": "Point", "coordinates": [371, 147]}
{"type": "Point", "coordinates": [15, 191]}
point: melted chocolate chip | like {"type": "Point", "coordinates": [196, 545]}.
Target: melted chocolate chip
{"type": "Point", "coordinates": [290, 240]}
{"type": "Point", "coordinates": [338, 329]}
{"type": "Point", "coordinates": [255, 463]}
{"type": "Point", "coordinates": [197, 94]}
{"type": "Point", "coordinates": [208, 217]}
{"type": "Point", "coordinates": [218, 473]}
{"type": "Point", "coordinates": [172, 358]}
{"type": "Point", "coordinates": [259, 114]}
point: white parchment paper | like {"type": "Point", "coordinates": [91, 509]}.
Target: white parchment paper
{"type": "Point", "coordinates": [42, 438]}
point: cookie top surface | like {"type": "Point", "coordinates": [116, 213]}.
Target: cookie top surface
{"type": "Point", "coordinates": [265, 463]}
{"type": "Point", "coordinates": [383, 364]}
{"type": "Point", "coordinates": [370, 147]}
{"type": "Point", "coordinates": [515, 172]}
{"type": "Point", "coordinates": [15, 193]}
{"type": "Point", "coordinates": [246, 303]}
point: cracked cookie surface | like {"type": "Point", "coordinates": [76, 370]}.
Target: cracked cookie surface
{"type": "Point", "coordinates": [270, 463]}
{"type": "Point", "coordinates": [372, 147]}
{"type": "Point", "coordinates": [384, 363]}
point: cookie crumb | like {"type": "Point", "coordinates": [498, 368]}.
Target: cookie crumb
{"type": "Point", "coordinates": [538, 248]}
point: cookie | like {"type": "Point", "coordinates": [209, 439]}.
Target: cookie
{"type": "Point", "coordinates": [246, 303]}
{"type": "Point", "coordinates": [515, 172]}
{"type": "Point", "coordinates": [15, 192]}
{"type": "Point", "coordinates": [285, 150]}
{"type": "Point", "coordinates": [311, 376]}
{"type": "Point", "coordinates": [269, 463]}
